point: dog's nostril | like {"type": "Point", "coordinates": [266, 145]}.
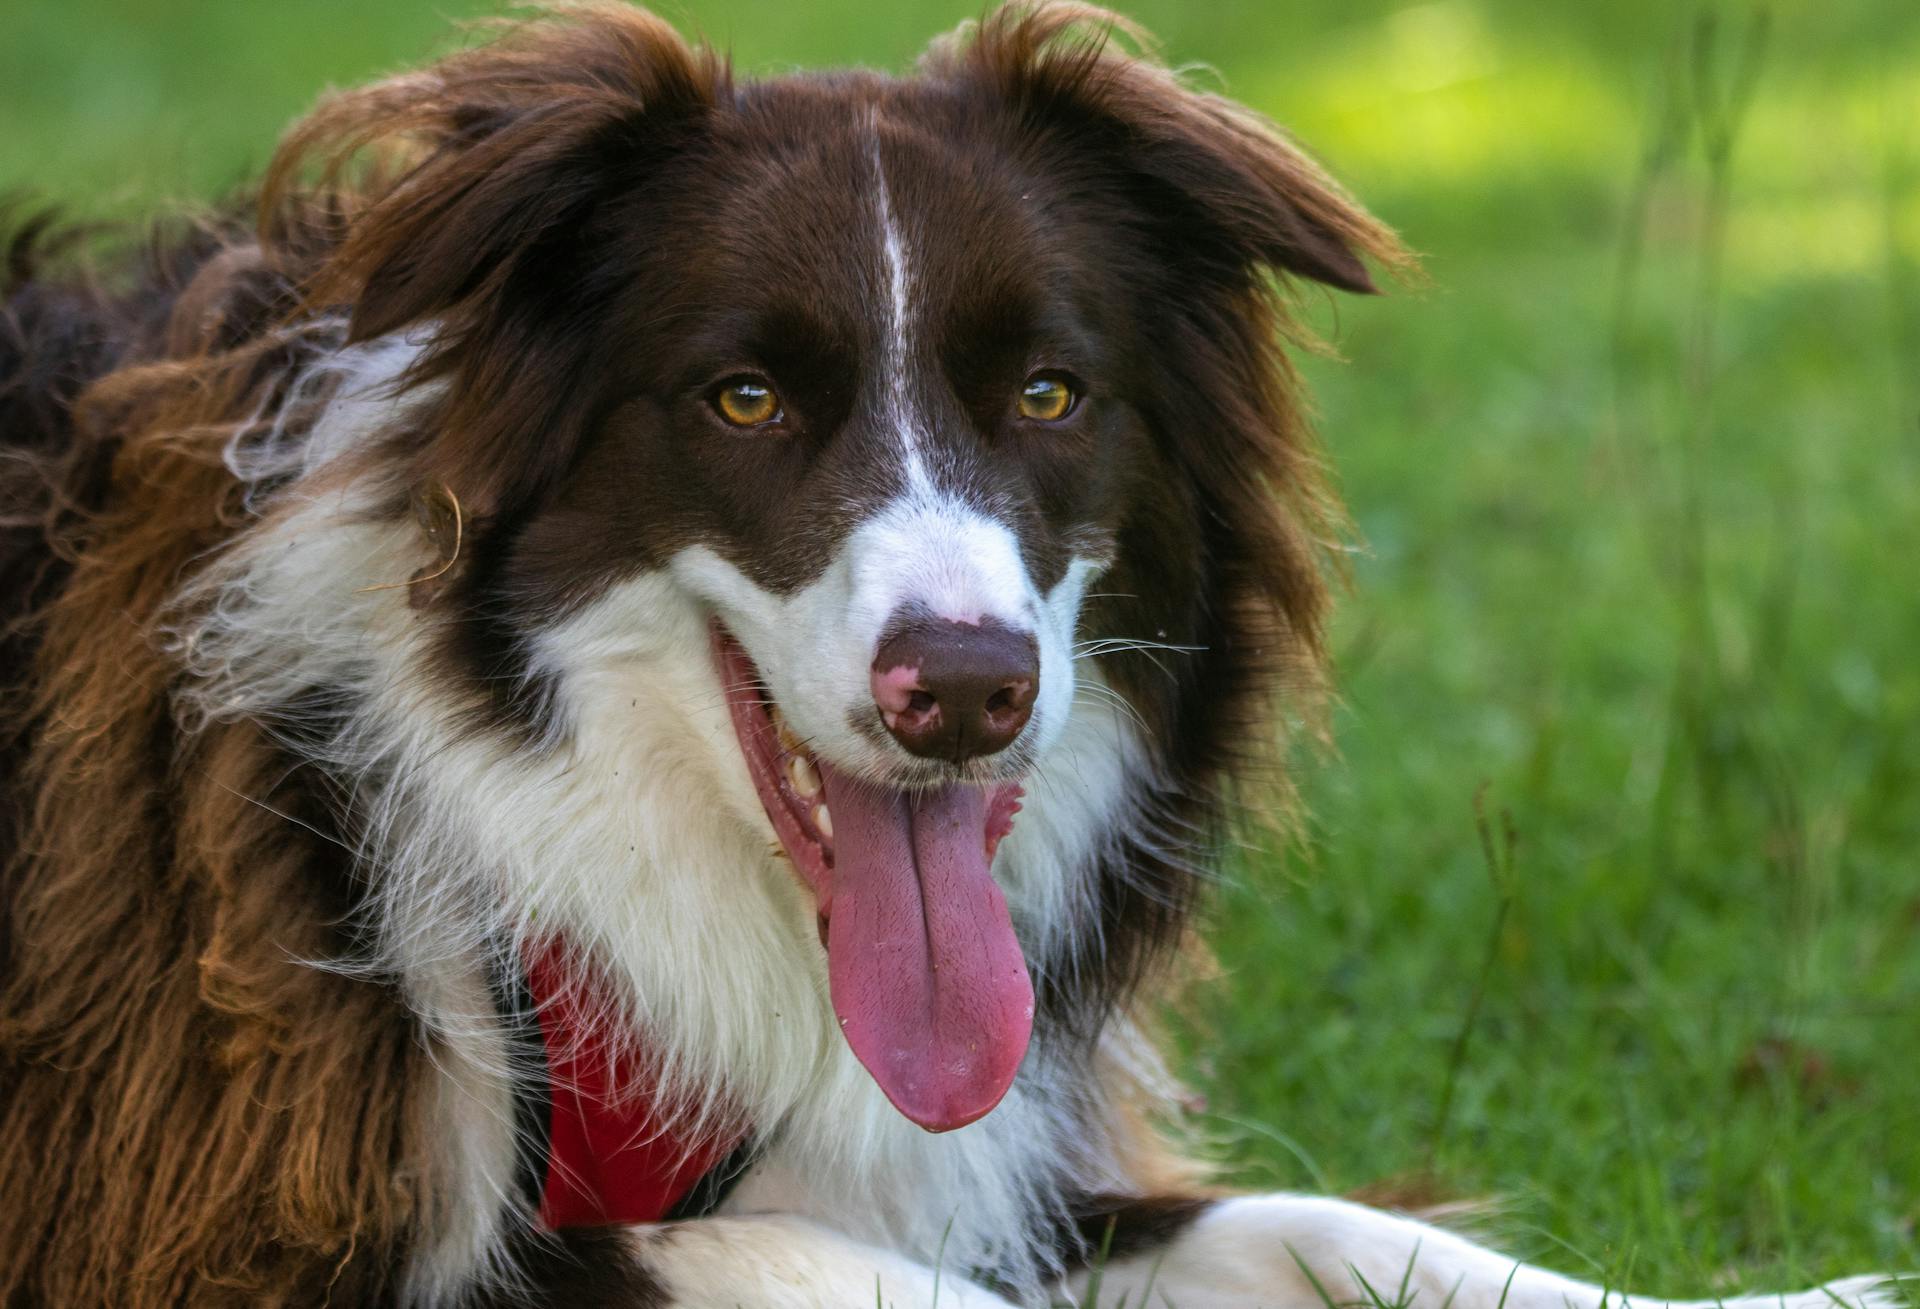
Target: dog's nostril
{"type": "Point", "coordinates": [955, 691]}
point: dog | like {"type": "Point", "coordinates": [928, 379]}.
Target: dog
{"type": "Point", "coordinates": [624, 698]}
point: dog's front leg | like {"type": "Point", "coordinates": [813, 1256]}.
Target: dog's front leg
{"type": "Point", "coordinates": [1305, 1252]}
{"type": "Point", "coordinates": [778, 1262]}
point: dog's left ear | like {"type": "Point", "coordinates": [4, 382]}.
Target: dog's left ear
{"type": "Point", "coordinates": [1234, 193]}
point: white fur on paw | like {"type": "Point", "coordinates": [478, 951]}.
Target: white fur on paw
{"type": "Point", "coordinates": [779, 1262]}
{"type": "Point", "coordinates": [1873, 1291]}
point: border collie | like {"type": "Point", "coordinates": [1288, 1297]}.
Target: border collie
{"type": "Point", "coordinates": [623, 698]}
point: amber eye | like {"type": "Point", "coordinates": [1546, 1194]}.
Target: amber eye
{"type": "Point", "coordinates": [1046, 398]}
{"type": "Point", "coordinates": [746, 402]}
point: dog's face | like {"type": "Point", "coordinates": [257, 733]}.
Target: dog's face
{"type": "Point", "coordinates": [879, 417]}
{"type": "Point", "coordinates": [877, 376]}
{"type": "Point", "coordinates": [878, 412]}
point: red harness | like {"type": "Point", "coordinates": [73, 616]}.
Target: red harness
{"type": "Point", "coordinates": [611, 1156]}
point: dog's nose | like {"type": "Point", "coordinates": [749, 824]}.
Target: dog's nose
{"type": "Point", "coordinates": [956, 691]}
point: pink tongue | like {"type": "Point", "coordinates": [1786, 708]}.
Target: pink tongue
{"type": "Point", "coordinates": [927, 978]}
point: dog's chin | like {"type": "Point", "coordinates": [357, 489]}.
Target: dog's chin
{"type": "Point", "coordinates": [927, 980]}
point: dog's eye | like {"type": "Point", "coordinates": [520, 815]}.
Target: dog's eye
{"type": "Point", "coordinates": [747, 402]}
{"type": "Point", "coordinates": [1047, 398]}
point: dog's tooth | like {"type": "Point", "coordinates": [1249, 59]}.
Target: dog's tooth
{"type": "Point", "coordinates": [788, 740]}
{"type": "Point", "coordinates": [823, 821]}
{"type": "Point", "coordinates": [801, 773]}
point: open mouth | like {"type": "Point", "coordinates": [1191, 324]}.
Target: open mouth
{"type": "Point", "coordinates": [927, 978]}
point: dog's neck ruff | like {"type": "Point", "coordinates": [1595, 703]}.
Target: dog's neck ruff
{"type": "Point", "coordinates": [613, 1154]}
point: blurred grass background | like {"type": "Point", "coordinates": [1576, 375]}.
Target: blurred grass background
{"type": "Point", "coordinates": [1639, 485]}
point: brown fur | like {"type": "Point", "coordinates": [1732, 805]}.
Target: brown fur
{"type": "Point", "coordinates": [482, 151]}
{"type": "Point", "coordinates": [186, 1111]}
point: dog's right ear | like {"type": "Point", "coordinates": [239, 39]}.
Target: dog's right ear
{"type": "Point", "coordinates": [463, 199]}
{"type": "Point", "coordinates": [1230, 192]}
{"type": "Point", "coordinates": [453, 175]}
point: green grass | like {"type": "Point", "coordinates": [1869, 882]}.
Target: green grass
{"type": "Point", "coordinates": [1639, 479]}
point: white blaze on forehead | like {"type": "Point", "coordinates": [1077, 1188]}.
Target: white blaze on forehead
{"type": "Point", "coordinates": [899, 325]}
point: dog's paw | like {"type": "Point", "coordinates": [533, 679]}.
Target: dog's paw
{"type": "Point", "coordinates": [1872, 1291]}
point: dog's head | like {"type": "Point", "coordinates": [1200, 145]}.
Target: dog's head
{"type": "Point", "coordinates": [880, 376]}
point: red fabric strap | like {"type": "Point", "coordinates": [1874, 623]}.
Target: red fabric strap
{"type": "Point", "coordinates": [611, 1156]}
